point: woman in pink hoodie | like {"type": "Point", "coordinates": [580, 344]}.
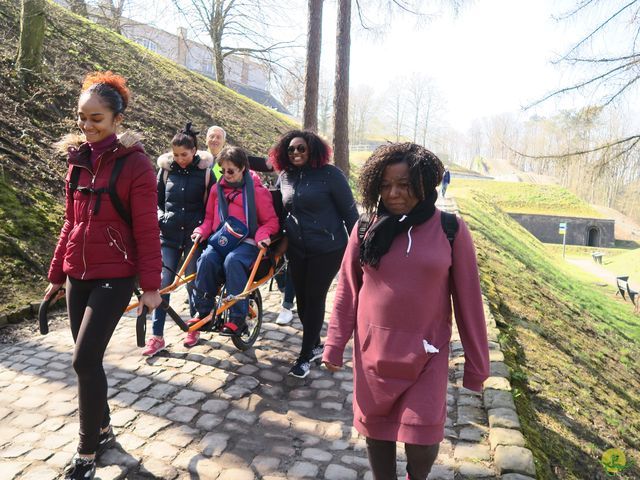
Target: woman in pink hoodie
{"type": "Point", "coordinates": [239, 199]}
{"type": "Point", "coordinates": [399, 274]}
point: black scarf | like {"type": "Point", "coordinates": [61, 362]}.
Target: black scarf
{"type": "Point", "coordinates": [386, 226]}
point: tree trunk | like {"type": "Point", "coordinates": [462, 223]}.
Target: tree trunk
{"type": "Point", "coordinates": [32, 24]}
{"type": "Point", "coordinates": [312, 70]}
{"type": "Point", "coordinates": [341, 96]}
{"type": "Point", "coordinates": [216, 31]}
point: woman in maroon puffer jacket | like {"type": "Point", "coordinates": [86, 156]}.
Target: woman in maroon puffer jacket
{"type": "Point", "coordinates": [100, 253]}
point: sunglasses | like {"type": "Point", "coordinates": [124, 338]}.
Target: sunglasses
{"type": "Point", "coordinates": [300, 148]}
{"type": "Point", "coordinates": [229, 171]}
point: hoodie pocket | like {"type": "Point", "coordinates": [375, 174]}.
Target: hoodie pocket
{"type": "Point", "coordinates": [392, 353]}
{"type": "Point", "coordinates": [392, 361]}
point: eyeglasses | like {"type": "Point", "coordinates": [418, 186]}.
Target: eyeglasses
{"type": "Point", "coordinates": [300, 148]}
{"type": "Point", "coordinates": [229, 171]}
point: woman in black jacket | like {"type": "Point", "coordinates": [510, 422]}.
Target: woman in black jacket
{"type": "Point", "coordinates": [321, 211]}
{"type": "Point", "coordinates": [184, 182]}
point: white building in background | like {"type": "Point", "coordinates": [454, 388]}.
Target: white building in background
{"type": "Point", "coordinates": [242, 73]}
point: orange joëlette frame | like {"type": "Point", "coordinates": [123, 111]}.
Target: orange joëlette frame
{"type": "Point", "coordinates": [251, 285]}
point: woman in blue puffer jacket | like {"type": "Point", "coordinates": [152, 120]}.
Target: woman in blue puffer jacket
{"type": "Point", "coordinates": [184, 181]}
{"type": "Point", "coordinates": [321, 211]}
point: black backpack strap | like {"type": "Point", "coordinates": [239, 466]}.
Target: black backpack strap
{"type": "Point", "coordinates": [74, 177]}
{"type": "Point", "coordinates": [449, 226]}
{"type": "Point", "coordinates": [113, 193]}
{"type": "Point", "coordinates": [364, 222]}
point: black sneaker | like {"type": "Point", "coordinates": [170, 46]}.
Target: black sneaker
{"type": "Point", "coordinates": [300, 369]}
{"type": "Point", "coordinates": [316, 353]}
{"type": "Point", "coordinates": [106, 440]}
{"type": "Point", "coordinates": [80, 469]}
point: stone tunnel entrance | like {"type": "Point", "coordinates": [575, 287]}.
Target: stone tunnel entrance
{"type": "Point", "coordinates": [593, 237]}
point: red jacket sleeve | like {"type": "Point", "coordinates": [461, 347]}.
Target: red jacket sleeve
{"type": "Point", "coordinates": [144, 217]}
{"type": "Point", "coordinates": [345, 305]}
{"type": "Point", "coordinates": [268, 222]}
{"type": "Point", "coordinates": [469, 311]}
{"type": "Point", "coordinates": [56, 275]}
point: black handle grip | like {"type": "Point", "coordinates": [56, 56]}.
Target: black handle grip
{"type": "Point", "coordinates": [43, 321]}
{"type": "Point", "coordinates": [141, 326]}
{"type": "Point", "coordinates": [43, 311]}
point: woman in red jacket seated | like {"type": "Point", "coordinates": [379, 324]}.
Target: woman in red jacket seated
{"type": "Point", "coordinates": [102, 248]}
{"type": "Point", "coordinates": [242, 202]}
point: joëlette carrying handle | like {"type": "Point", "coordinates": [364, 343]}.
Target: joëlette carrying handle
{"type": "Point", "coordinates": [180, 279]}
{"type": "Point", "coordinates": [141, 326]}
{"type": "Point", "coordinates": [141, 322]}
{"type": "Point", "coordinates": [43, 320]}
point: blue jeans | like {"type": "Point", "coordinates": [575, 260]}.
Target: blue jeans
{"type": "Point", "coordinates": [285, 284]}
{"type": "Point", "coordinates": [170, 258]}
{"type": "Point", "coordinates": [212, 271]}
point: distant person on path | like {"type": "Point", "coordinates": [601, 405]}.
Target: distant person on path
{"type": "Point", "coordinates": [184, 180]}
{"type": "Point", "coordinates": [103, 248]}
{"type": "Point", "coordinates": [320, 211]}
{"type": "Point", "coordinates": [394, 296]}
{"type": "Point", "coordinates": [446, 180]}
{"type": "Point", "coordinates": [239, 195]}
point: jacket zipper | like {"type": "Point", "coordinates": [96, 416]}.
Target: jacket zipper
{"type": "Point", "coordinates": [297, 192]}
{"type": "Point", "coordinates": [89, 213]}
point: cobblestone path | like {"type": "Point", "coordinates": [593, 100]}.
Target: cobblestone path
{"type": "Point", "coordinates": [213, 412]}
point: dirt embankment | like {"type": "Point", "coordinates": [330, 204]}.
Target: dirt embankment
{"type": "Point", "coordinates": [164, 97]}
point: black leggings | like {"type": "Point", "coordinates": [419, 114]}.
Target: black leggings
{"type": "Point", "coordinates": [312, 277]}
{"type": "Point", "coordinates": [95, 307]}
{"type": "Point", "coordinates": [382, 458]}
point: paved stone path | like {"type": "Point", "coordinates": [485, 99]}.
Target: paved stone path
{"type": "Point", "coordinates": [213, 412]}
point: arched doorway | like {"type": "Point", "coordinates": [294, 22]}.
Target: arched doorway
{"type": "Point", "coordinates": [593, 237]}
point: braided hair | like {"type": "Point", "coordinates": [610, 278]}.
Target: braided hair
{"type": "Point", "coordinates": [425, 171]}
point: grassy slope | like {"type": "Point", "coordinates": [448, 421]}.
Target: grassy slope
{"type": "Point", "coordinates": [570, 345]}
{"type": "Point", "coordinates": [165, 95]}
{"type": "Point", "coordinates": [627, 263]}
{"type": "Point", "coordinates": [532, 198]}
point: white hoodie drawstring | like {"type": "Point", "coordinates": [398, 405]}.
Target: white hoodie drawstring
{"type": "Point", "coordinates": [409, 247]}
{"type": "Point", "coordinates": [402, 219]}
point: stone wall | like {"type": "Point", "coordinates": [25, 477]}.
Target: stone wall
{"type": "Point", "coordinates": [594, 232]}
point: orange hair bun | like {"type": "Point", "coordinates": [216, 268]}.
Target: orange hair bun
{"type": "Point", "coordinates": [117, 82]}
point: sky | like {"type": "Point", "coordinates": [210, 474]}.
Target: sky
{"type": "Point", "coordinates": [493, 57]}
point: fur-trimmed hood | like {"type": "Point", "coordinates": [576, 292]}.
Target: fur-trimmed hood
{"type": "Point", "coordinates": [166, 160]}
{"type": "Point", "coordinates": [73, 141]}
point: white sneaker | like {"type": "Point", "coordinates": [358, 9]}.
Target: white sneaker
{"type": "Point", "coordinates": [285, 316]}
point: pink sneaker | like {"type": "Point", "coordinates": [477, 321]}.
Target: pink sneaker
{"type": "Point", "coordinates": [154, 345]}
{"type": "Point", "coordinates": [192, 337]}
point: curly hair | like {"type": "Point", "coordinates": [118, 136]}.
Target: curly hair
{"type": "Point", "coordinates": [112, 88]}
{"type": "Point", "coordinates": [425, 171]}
{"type": "Point", "coordinates": [319, 150]}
